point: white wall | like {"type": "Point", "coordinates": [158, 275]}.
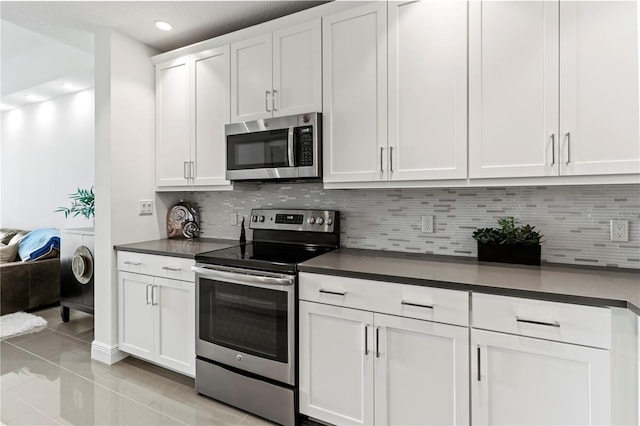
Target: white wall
{"type": "Point", "coordinates": [125, 108]}
{"type": "Point", "coordinates": [47, 153]}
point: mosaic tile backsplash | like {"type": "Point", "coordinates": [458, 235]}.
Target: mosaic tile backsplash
{"type": "Point", "coordinates": [573, 219]}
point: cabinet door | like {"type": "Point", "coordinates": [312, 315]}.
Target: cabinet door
{"type": "Point", "coordinates": [519, 380]}
{"type": "Point", "coordinates": [599, 117]}
{"type": "Point", "coordinates": [355, 94]}
{"type": "Point", "coordinates": [513, 88]}
{"type": "Point", "coordinates": [212, 112]}
{"type": "Point", "coordinates": [422, 372]}
{"type": "Point", "coordinates": [297, 69]}
{"type": "Point", "coordinates": [173, 123]}
{"type": "Point", "coordinates": [336, 364]}
{"type": "Point", "coordinates": [135, 314]}
{"type": "Point", "coordinates": [427, 91]}
{"type": "Point", "coordinates": [174, 303]}
{"type": "Point", "coordinates": [251, 83]}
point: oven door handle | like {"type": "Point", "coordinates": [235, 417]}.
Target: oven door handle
{"type": "Point", "coordinates": [244, 278]}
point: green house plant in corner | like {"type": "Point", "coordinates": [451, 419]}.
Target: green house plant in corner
{"type": "Point", "coordinates": [82, 203]}
{"type": "Point", "coordinates": [509, 243]}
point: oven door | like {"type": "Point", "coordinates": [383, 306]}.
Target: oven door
{"type": "Point", "coordinates": [246, 320]}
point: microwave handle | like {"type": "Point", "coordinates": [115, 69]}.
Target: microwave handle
{"type": "Point", "coordinates": [290, 147]}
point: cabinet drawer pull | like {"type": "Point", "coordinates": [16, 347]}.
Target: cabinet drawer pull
{"type": "Point", "coordinates": [154, 297]}
{"type": "Point", "coordinates": [404, 302]}
{"type": "Point", "coordinates": [273, 100]}
{"type": "Point", "coordinates": [185, 169]}
{"type": "Point", "coordinates": [568, 147]}
{"type": "Point", "coordinates": [381, 155]}
{"type": "Point", "coordinates": [337, 293]}
{"type": "Point", "coordinates": [149, 302]}
{"type": "Point", "coordinates": [128, 262]}
{"type": "Point", "coordinates": [478, 363]}
{"type": "Point", "coordinates": [169, 268]}
{"type": "Point", "coordinates": [366, 339]}
{"type": "Point", "coordinates": [390, 158]}
{"type": "Point", "coordinates": [547, 324]}
{"type": "Point", "coordinates": [266, 100]}
{"type": "Point", "coordinates": [553, 149]}
{"type": "Point", "coordinates": [377, 342]}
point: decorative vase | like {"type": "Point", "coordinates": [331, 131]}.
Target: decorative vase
{"type": "Point", "coordinates": [525, 254]}
{"type": "Point", "coordinates": [183, 221]}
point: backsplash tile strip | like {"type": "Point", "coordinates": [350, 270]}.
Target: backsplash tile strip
{"type": "Point", "coordinates": [573, 219]}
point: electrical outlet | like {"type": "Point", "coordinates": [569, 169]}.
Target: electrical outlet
{"type": "Point", "coordinates": [427, 224]}
{"type": "Point", "coordinates": [619, 230]}
{"type": "Point", "coordinates": [233, 218]}
{"type": "Point", "coordinates": [145, 207]}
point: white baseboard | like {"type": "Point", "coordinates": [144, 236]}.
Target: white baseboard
{"type": "Point", "coordinates": [106, 354]}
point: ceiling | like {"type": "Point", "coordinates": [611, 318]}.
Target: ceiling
{"type": "Point", "coordinates": [45, 44]}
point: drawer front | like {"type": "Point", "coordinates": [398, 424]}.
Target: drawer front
{"type": "Point", "coordinates": [426, 303]}
{"type": "Point", "coordinates": [177, 268]}
{"type": "Point", "coordinates": [564, 322]}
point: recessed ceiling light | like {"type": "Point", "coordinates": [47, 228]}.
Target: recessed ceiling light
{"type": "Point", "coordinates": [164, 26]}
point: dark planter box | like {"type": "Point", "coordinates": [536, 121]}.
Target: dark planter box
{"type": "Point", "coordinates": [525, 254]}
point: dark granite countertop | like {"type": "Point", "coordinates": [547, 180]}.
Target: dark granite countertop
{"type": "Point", "coordinates": [562, 283]}
{"type": "Point", "coordinates": [178, 247]}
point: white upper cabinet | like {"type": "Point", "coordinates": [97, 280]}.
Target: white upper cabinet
{"type": "Point", "coordinates": [427, 90]}
{"type": "Point", "coordinates": [553, 88]}
{"type": "Point", "coordinates": [395, 92]}
{"type": "Point", "coordinates": [355, 94]}
{"type": "Point", "coordinates": [173, 120]}
{"type": "Point", "coordinates": [277, 74]}
{"type": "Point", "coordinates": [192, 107]}
{"type": "Point", "coordinates": [599, 117]}
{"type": "Point", "coordinates": [211, 92]}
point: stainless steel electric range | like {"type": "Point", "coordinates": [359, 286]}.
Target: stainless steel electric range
{"type": "Point", "coordinates": [246, 297]}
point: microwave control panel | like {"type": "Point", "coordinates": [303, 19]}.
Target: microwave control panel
{"type": "Point", "coordinates": [304, 138]}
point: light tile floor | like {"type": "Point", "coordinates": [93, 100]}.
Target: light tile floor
{"type": "Point", "coordinates": [49, 378]}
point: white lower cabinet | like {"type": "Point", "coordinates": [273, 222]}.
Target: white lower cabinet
{"type": "Point", "coordinates": [359, 367]}
{"type": "Point", "coordinates": [527, 378]}
{"type": "Point", "coordinates": [156, 319]}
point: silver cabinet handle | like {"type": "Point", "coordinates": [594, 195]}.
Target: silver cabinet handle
{"type": "Point", "coordinates": [568, 135]}
{"type": "Point", "coordinates": [169, 268]}
{"type": "Point", "coordinates": [478, 363]}
{"type": "Point", "coordinates": [553, 149]}
{"type": "Point", "coordinates": [273, 100]}
{"type": "Point", "coordinates": [128, 262]}
{"type": "Point", "coordinates": [377, 342]}
{"type": "Point", "coordinates": [366, 339]}
{"type": "Point", "coordinates": [336, 293]}
{"type": "Point", "coordinates": [419, 305]}
{"type": "Point", "coordinates": [154, 298]}
{"type": "Point", "coordinates": [381, 155]}
{"type": "Point", "coordinates": [147, 293]}
{"type": "Point", "coordinates": [390, 158]}
{"type": "Point", "coordinates": [192, 170]}
{"type": "Point", "coordinates": [545, 323]}
{"type": "Point", "coordinates": [185, 170]}
{"type": "Point", "coordinates": [266, 100]}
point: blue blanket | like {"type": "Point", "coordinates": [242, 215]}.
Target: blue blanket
{"type": "Point", "coordinates": [38, 243]}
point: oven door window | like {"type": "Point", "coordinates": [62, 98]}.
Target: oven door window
{"type": "Point", "coordinates": [258, 150]}
{"type": "Point", "coordinates": [248, 319]}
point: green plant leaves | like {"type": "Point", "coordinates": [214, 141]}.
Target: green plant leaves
{"type": "Point", "coordinates": [508, 233]}
{"type": "Point", "coordinates": [82, 203]}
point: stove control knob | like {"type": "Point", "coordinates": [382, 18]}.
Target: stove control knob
{"type": "Point", "coordinates": [254, 218]}
{"type": "Point", "coordinates": [319, 221]}
{"type": "Point", "coordinates": [311, 220]}
{"type": "Point", "coordinates": [260, 218]}
{"type": "Point", "coordinates": [329, 221]}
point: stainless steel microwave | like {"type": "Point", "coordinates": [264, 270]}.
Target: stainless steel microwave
{"type": "Point", "coordinates": [275, 148]}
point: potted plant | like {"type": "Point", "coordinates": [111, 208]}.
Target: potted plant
{"type": "Point", "coordinates": [82, 203]}
{"type": "Point", "coordinates": [509, 243]}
